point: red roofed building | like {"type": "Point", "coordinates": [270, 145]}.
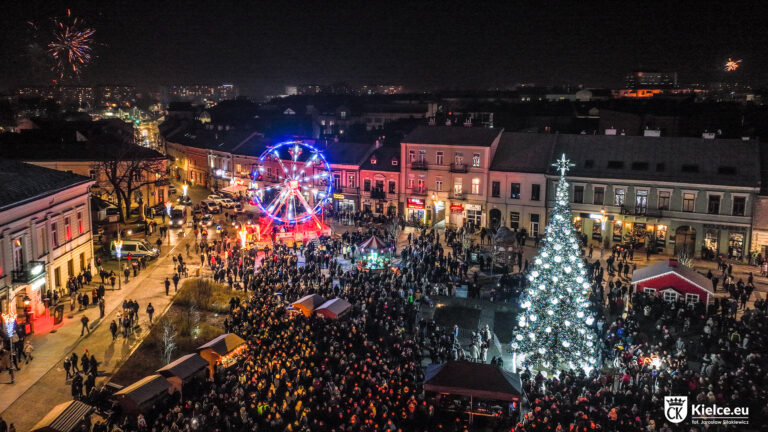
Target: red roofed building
{"type": "Point", "coordinates": [673, 282]}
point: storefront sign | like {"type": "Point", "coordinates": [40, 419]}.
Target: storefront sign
{"type": "Point", "coordinates": [732, 228]}
{"type": "Point", "coordinates": [457, 208]}
{"type": "Point", "coordinates": [338, 196]}
{"type": "Point", "coordinates": [476, 207]}
{"type": "Point", "coordinates": [415, 203]}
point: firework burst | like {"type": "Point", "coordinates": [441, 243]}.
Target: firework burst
{"type": "Point", "coordinates": [71, 45]}
{"type": "Point", "coordinates": [731, 65]}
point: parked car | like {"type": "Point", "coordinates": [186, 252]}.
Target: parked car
{"type": "Point", "coordinates": [214, 197]}
{"type": "Point", "coordinates": [227, 203]}
{"type": "Point", "coordinates": [184, 200]}
{"type": "Point", "coordinates": [210, 206]}
{"type": "Point", "coordinates": [207, 220]}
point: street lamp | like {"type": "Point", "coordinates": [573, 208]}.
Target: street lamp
{"type": "Point", "coordinates": [184, 188]}
{"type": "Point", "coordinates": [168, 207]}
{"type": "Point", "coordinates": [243, 236]}
{"type": "Point", "coordinates": [118, 249]}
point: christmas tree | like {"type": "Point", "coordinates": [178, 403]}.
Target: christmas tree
{"type": "Point", "coordinates": [554, 328]}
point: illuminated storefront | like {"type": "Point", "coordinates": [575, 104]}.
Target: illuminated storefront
{"type": "Point", "coordinates": [415, 211]}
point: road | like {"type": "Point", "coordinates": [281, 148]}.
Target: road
{"type": "Point", "coordinates": [40, 385]}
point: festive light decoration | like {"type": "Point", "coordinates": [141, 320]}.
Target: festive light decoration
{"type": "Point", "coordinates": [301, 168]}
{"type": "Point", "coordinates": [557, 319]}
{"type": "Point", "coordinates": [9, 323]}
{"type": "Point", "coordinates": [168, 207]}
{"type": "Point", "coordinates": [731, 65]}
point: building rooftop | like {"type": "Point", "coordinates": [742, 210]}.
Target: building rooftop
{"type": "Point", "coordinates": [346, 153]}
{"type": "Point", "coordinates": [453, 135]}
{"type": "Point", "coordinates": [524, 152]}
{"type": "Point", "coordinates": [45, 145]}
{"type": "Point", "coordinates": [21, 183]}
{"type": "Point", "coordinates": [384, 156]}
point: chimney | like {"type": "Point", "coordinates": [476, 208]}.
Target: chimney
{"type": "Point", "coordinates": [672, 262]}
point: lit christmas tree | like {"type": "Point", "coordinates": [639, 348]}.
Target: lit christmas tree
{"type": "Point", "coordinates": [554, 328]}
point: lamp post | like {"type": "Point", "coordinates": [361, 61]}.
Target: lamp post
{"type": "Point", "coordinates": [184, 188]}
{"type": "Point", "coordinates": [118, 249]}
{"type": "Point", "coordinates": [168, 207]}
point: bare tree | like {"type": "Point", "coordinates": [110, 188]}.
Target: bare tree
{"type": "Point", "coordinates": [684, 258]}
{"type": "Point", "coordinates": [125, 169]}
{"type": "Point", "coordinates": [393, 229]}
{"type": "Point", "coordinates": [168, 340]}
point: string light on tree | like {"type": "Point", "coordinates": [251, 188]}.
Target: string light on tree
{"type": "Point", "coordinates": [554, 330]}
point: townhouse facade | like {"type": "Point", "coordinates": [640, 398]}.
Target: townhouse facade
{"type": "Point", "coordinates": [445, 173]}
{"type": "Point", "coordinates": [380, 180]}
{"type": "Point", "coordinates": [45, 235]}
{"type": "Point", "coordinates": [675, 195]}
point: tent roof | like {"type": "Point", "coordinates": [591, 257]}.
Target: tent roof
{"type": "Point", "coordinates": [478, 380]}
{"type": "Point", "coordinates": [374, 243]}
{"type": "Point", "coordinates": [311, 301]}
{"type": "Point", "coordinates": [334, 308]}
{"type": "Point", "coordinates": [224, 344]}
{"type": "Point", "coordinates": [63, 417]}
{"type": "Point", "coordinates": [680, 270]}
{"type": "Point", "coordinates": [235, 188]}
{"type": "Point", "coordinates": [184, 367]}
{"type": "Point", "coordinates": [145, 389]}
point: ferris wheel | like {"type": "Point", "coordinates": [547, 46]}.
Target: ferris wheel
{"type": "Point", "coordinates": [301, 182]}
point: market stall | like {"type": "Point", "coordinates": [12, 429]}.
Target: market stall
{"type": "Point", "coordinates": [375, 253]}
{"type": "Point", "coordinates": [222, 350]}
{"type": "Point", "coordinates": [334, 309]}
{"type": "Point", "coordinates": [183, 370]}
{"type": "Point", "coordinates": [66, 417]}
{"type": "Point", "coordinates": [143, 394]}
{"type": "Point", "coordinates": [308, 304]}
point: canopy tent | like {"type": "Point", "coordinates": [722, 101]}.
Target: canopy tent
{"type": "Point", "coordinates": [234, 189]}
{"type": "Point", "coordinates": [183, 369]}
{"type": "Point", "coordinates": [308, 304]}
{"type": "Point", "coordinates": [374, 243]}
{"type": "Point", "coordinates": [65, 417]}
{"type": "Point", "coordinates": [221, 349]}
{"type": "Point", "coordinates": [334, 308]}
{"type": "Point", "coordinates": [142, 394]}
{"type": "Point", "coordinates": [479, 380]}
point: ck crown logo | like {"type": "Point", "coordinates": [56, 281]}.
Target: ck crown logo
{"type": "Point", "coordinates": [675, 408]}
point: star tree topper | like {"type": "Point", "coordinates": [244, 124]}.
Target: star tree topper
{"type": "Point", "coordinates": [563, 165]}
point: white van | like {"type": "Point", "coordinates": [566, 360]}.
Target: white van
{"type": "Point", "coordinates": [178, 216]}
{"type": "Point", "coordinates": [137, 248]}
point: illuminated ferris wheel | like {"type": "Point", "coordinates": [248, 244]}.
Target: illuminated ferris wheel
{"type": "Point", "coordinates": [301, 182]}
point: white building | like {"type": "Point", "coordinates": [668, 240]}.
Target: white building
{"type": "Point", "coordinates": [45, 233]}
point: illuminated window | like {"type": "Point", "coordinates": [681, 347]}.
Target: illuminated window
{"type": "Point", "coordinates": [79, 222]}
{"type": "Point", "coordinates": [476, 160]}
{"type": "Point", "coordinates": [475, 186]}
{"type": "Point", "coordinates": [54, 235]}
{"type": "Point", "coordinates": [618, 197]}
{"type": "Point", "coordinates": [18, 253]}
{"type": "Point", "coordinates": [514, 191]}
{"type": "Point", "coordinates": [689, 200]}
{"type": "Point", "coordinates": [67, 229]}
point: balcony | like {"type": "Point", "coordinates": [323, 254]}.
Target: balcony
{"type": "Point", "coordinates": [31, 271]}
{"type": "Point", "coordinates": [417, 191]}
{"type": "Point", "coordinates": [378, 194]}
{"type": "Point", "coordinates": [458, 195]}
{"type": "Point", "coordinates": [640, 211]}
{"type": "Point", "coordinates": [419, 165]}
{"type": "Point", "coordinates": [459, 168]}
{"type": "Point", "coordinates": [349, 190]}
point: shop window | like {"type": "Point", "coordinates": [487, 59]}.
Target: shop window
{"type": "Point", "coordinates": [514, 220]}
{"type": "Point", "coordinates": [735, 245]}
{"type": "Point", "coordinates": [713, 206]}
{"type": "Point", "coordinates": [535, 192]}
{"type": "Point", "coordinates": [618, 197]}
{"type": "Point", "coordinates": [495, 189]}
{"type": "Point", "coordinates": [514, 191]}
{"type": "Point", "coordinates": [649, 290]}
{"type": "Point", "coordinates": [739, 204]}
{"type": "Point", "coordinates": [664, 197]}
{"type": "Point", "coordinates": [689, 200]}
{"type": "Point", "coordinates": [670, 296]}
{"type": "Point", "coordinates": [578, 194]}
{"type": "Point", "coordinates": [691, 298]}
{"type": "Point", "coordinates": [598, 196]}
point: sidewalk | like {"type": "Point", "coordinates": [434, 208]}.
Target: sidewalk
{"type": "Point", "coordinates": [40, 385]}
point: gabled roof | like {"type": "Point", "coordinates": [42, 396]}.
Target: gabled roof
{"type": "Point", "coordinates": [45, 145]}
{"type": "Point", "coordinates": [665, 268]}
{"type": "Point", "coordinates": [223, 344]}
{"type": "Point", "coordinates": [524, 152]}
{"type": "Point", "coordinates": [478, 380]}
{"type": "Point", "coordinates": [334, 308]}
{"type": "Point", "coordinates": [184, 367]}
{"type": "Point", "coordinates": [21, 183]}
{"type": "Point", "coordinates": [346, 153]}
{"type": "Point", "coordinates": [145, 389]}
{"type": "Point", "coordinates": [64, 417]}
{"type": "Point", "coordinates": [384, 156]}
{"type": "Point", "coordinates": [453, 135]}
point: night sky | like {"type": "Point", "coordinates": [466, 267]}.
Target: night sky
{"type": "Point", "coordinates": [262, 46]}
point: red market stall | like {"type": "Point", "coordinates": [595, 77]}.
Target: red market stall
{"type": "Point", "coordinates": [308, 304]}
{"type": "Point", "coordinates": [673, 282]}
